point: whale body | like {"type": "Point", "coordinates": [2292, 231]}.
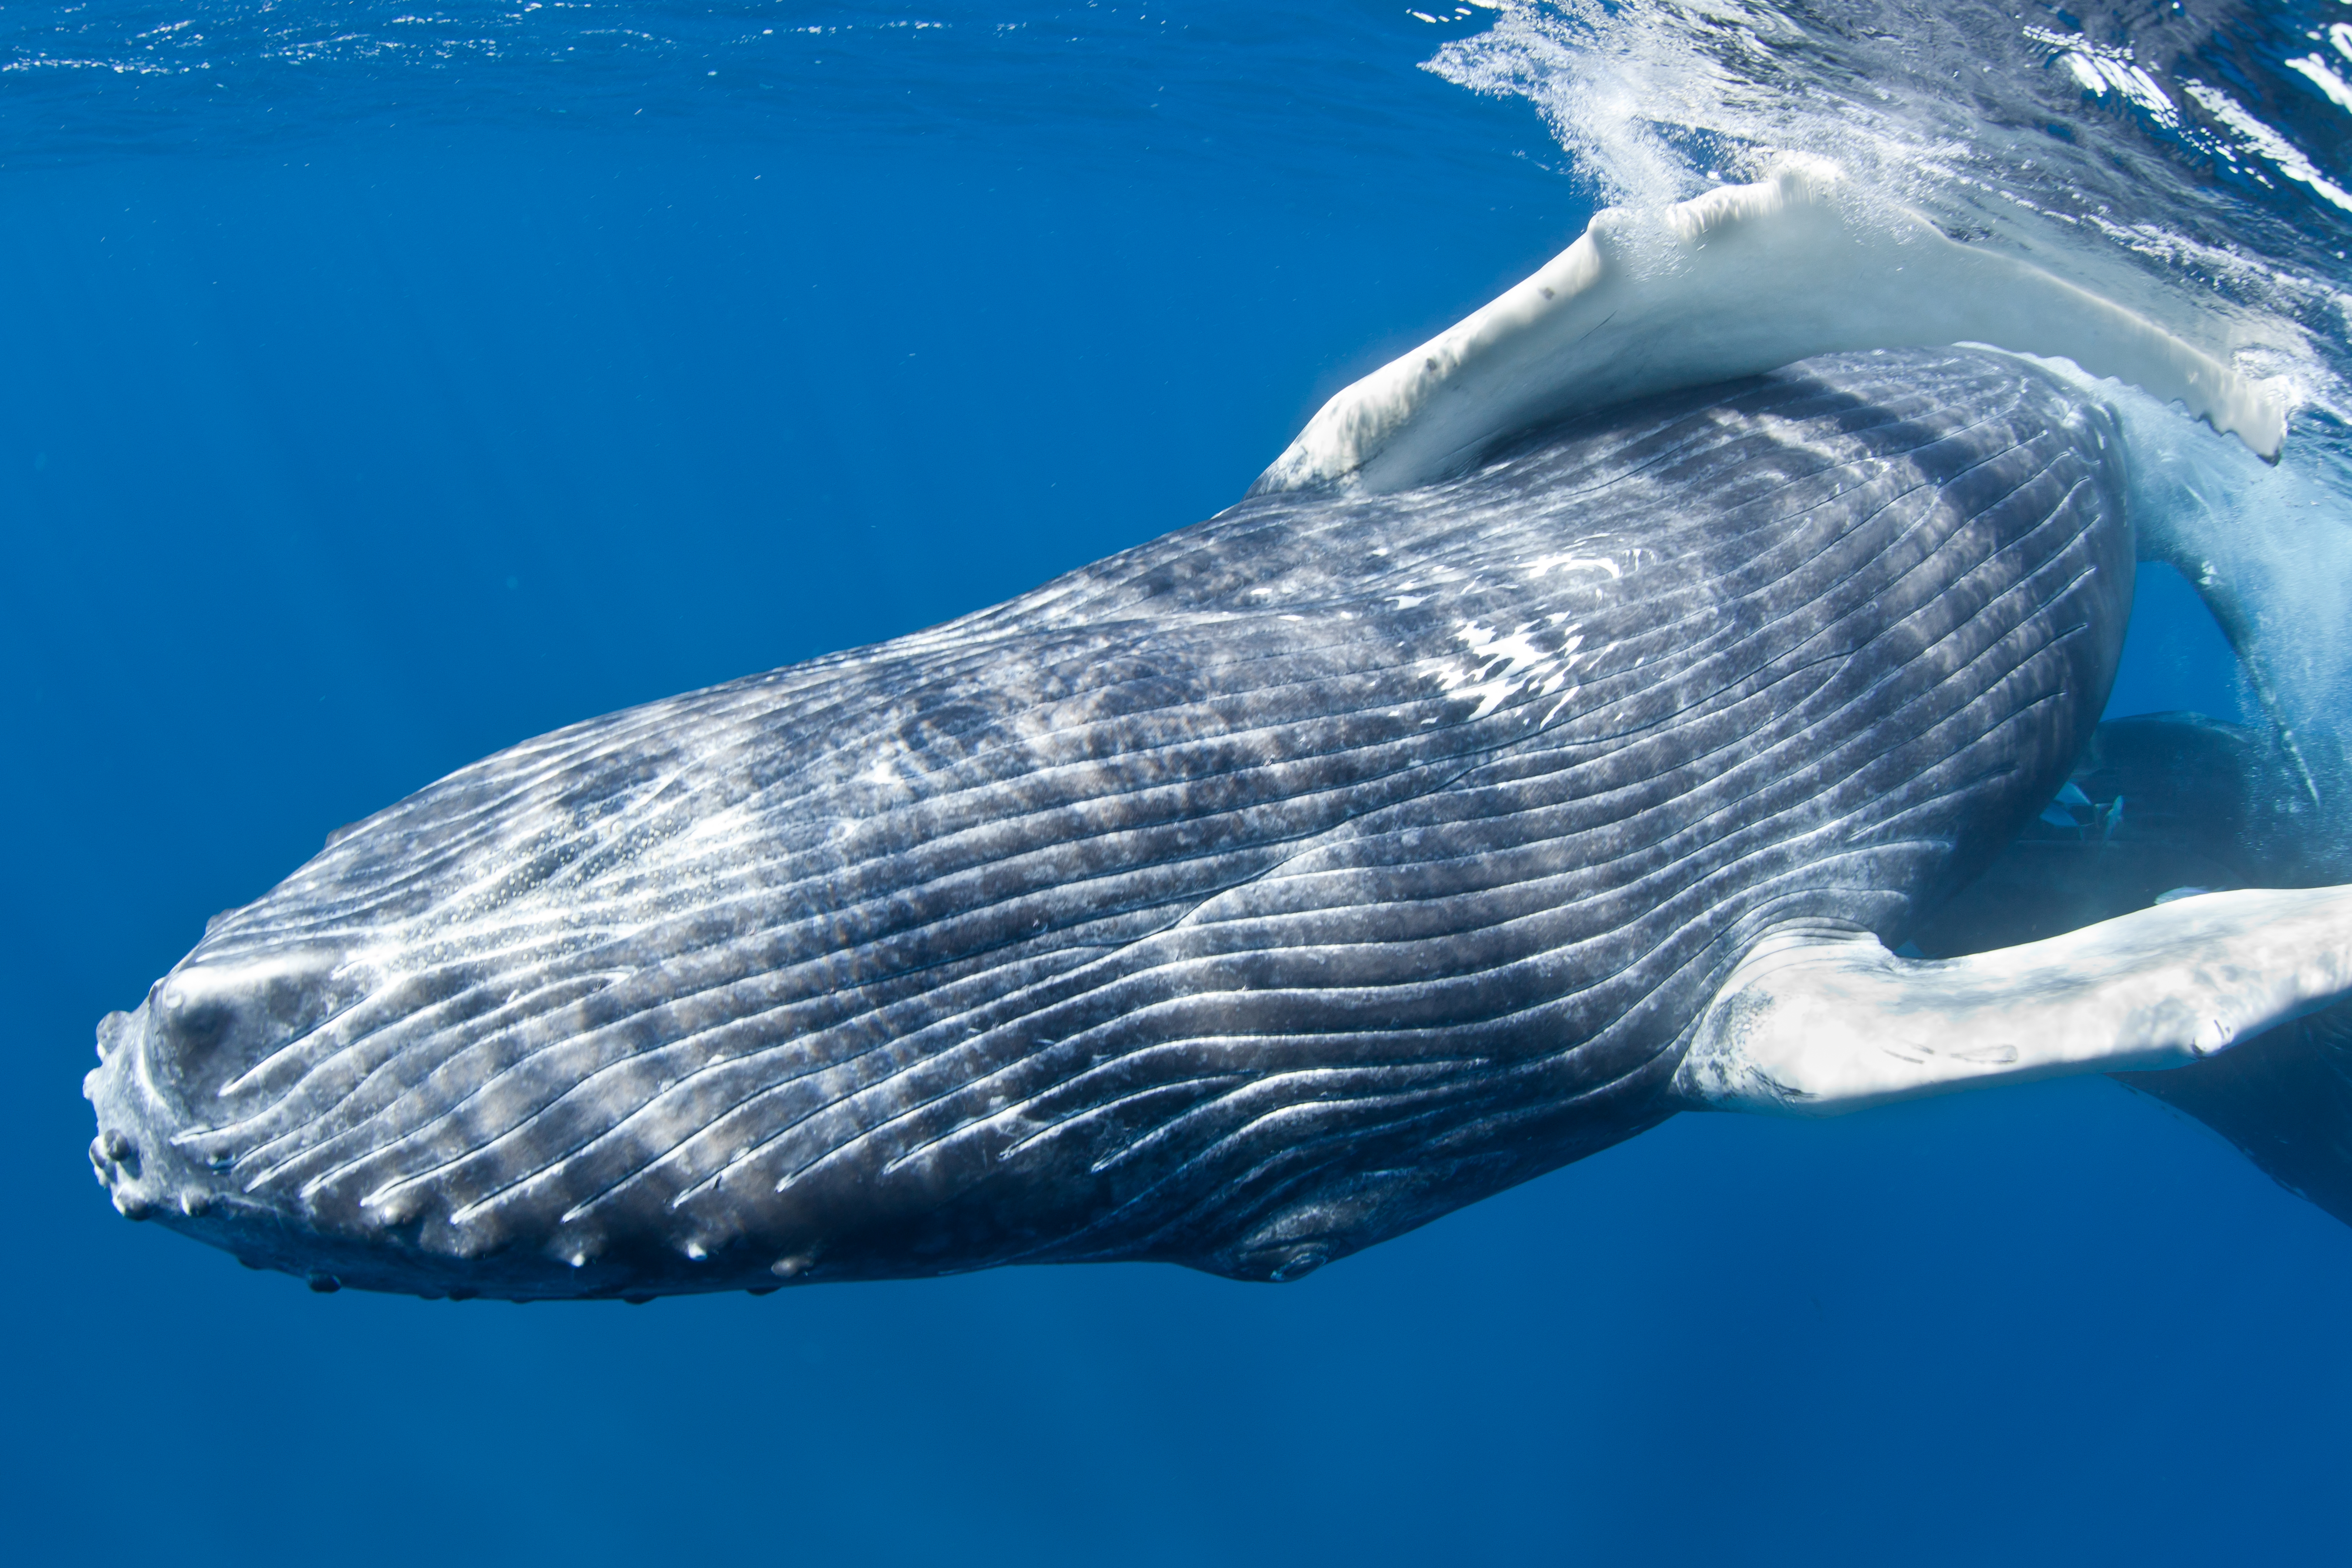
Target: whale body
{"type": "Point", "coordinates": [1240, 901]}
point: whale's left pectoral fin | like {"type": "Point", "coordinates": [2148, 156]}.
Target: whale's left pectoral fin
{"type": "Point", "coordinates": [1814, 1026]}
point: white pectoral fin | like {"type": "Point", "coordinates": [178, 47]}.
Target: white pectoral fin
{"type": "Point", "coordinates": [1815, 1027]}
{"type": "Point", "coordinates": [1742, 280]}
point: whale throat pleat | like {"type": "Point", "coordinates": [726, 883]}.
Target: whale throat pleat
{"type": "Point", "coordinates": [1240, 899]}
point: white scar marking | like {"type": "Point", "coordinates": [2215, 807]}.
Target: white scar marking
{"type": "Point", "coordinates": [1543, 565]}
{"type": "Point", "coordinates": [1502, 665]}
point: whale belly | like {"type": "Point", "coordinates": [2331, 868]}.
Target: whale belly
{"type": "Point", "coordinates": [1239, 900]}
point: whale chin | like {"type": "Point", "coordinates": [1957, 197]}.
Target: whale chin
{"type": "Point", "coordinates": [1240, 901]}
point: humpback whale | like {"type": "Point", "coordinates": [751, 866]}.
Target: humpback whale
{"type": "Point", "coordinates": [1240, 901]}
{"type": "Point", "coordinates": [1563, 733]}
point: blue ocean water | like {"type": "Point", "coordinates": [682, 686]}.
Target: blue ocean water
{"type": "Point", "coordinates": [385, 387]}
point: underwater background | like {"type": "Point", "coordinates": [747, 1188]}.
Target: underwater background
{"type": "Point", "coordinates": [383, 386]}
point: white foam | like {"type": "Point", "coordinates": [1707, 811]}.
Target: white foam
{"type": "Point", "coordinates": [1742, 280]}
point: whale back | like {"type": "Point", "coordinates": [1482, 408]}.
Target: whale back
{"type": "Point", "coordinates": [1239, 900]}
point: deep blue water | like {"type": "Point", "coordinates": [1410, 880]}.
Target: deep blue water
{"type": "Point", "coordinates": [360, 422]}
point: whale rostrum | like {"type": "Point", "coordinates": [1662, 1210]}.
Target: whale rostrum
{"type": "Point", "coordinates": [1239, 900]}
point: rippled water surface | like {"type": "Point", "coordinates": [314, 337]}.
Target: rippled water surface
{"type": "Point", "coordinates": [386, 385]}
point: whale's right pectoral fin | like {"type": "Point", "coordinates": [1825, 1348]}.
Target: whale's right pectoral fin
{"type": "Point", "coordinates": [1814, 1026]}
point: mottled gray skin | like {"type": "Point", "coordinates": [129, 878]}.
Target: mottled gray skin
{"type": "Point", "coordinates": [1240, 901]}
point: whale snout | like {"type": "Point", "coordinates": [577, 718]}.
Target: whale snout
{"type": "Point", "coordinates": [140, 1152]}
{"type": "Point", "coordinates": [175, 1075]}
